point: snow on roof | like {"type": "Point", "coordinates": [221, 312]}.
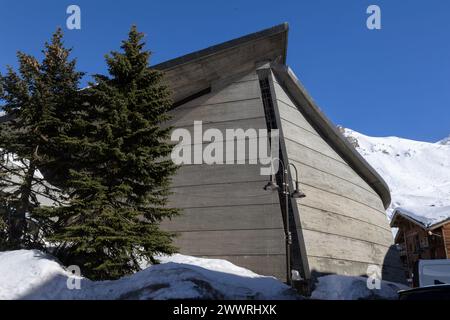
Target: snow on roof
{"type": "Point", "coordinates": [427, 217]}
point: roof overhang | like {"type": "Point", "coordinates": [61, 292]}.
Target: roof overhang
{"type": "Point", "coordinates": [194, 72]}
{"type": "Point", "coordinates": [398, 214]}
{"type": "Point", "coordinates": [330, 133]}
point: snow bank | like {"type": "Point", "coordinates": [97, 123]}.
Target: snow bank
{"type": "Point", "coordinates": [337, 287]}
{"type": "Point", "coordinates": [417, 173]}
{"type": "Point", "coordinates": [30, 274]}
{"type": "Point", "coordinates": [22, 272]}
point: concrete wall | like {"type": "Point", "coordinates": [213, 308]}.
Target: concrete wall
{"type": "Point", "coordinates": [227, 214]}
{"type": "Point", "coordinates": [343, 221]}
{"type": "Point", "coordinates": [225, 211]}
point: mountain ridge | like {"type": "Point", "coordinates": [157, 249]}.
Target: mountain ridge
{"type": "Point", "coordinates": [417, 173]}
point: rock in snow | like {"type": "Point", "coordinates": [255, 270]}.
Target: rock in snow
{"type": "Point", "coordinates": [30, 274]}
{"type": "Point", "coordinates": [336, 287]}
{"type": "Point", "coordinates": [445, 141]}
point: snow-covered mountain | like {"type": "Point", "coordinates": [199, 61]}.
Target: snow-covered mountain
{"type": "Point", "coordinates": [418, 173]}
{"type": "Point", "coordinates": [445, 141]}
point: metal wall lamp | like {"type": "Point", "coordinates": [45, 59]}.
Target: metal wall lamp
{"type": "Point", "coordinates": [297, 194]}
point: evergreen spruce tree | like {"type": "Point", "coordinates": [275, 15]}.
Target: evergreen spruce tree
{"type": "Point", "coordinates": [120, 187]}
{"type": "Point", "coordinates": [38, 102]}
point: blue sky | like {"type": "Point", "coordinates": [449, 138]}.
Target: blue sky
{"type": "Point", "coordinates": [393, 81]}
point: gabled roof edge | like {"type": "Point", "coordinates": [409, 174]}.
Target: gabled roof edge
{"type": "Point", "coordinates": [281, 28]}
{"type": "Point", "coordinates": [404, 216]}
{"type": "Point", "coordinates": [399, 212]}
{"type": "Point", "coordinates": [329, 130]}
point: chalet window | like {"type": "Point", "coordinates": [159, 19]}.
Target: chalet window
{"type": "Point", "coordinates": [424, 243]}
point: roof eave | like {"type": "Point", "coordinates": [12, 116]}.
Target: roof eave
{"type": "Point", "coordinates": [200, 70]}
{"type": "Point", "coordinates": [331, 134]}
{"type": "Point", "coordinates": [204, 53]}
{"type": "Point", "coordinates": [430, 227]}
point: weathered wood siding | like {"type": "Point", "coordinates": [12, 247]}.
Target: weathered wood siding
{"type": "Point", "coordinates": [446, 234]}
{"type": "Point", "coordinates": [344, 224]}
{"type": "Point", "coordinates": [225, 211]}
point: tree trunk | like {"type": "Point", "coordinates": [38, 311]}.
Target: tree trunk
{"type": "Point", "coordinates": [18, 227]}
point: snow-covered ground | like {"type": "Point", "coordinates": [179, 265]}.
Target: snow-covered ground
{"type": "Point", "coordinates": [418, 173]}
{"type": "Point", "coordinates": [336, 287]}
{"type": "Point", "coordinates": [30, 274]}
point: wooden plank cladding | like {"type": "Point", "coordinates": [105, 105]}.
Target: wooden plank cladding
{"type": "Point", "coordinates": [341, 225]}
{"type": "Point", "coordinates": [264, 242]}
{"type": "Point", "coordinates": [342, 218]}
{"type": "Point", "coordinates": [225, 211]}
{"type": "Point", "coordinates": [323, 221]}
{"type": "Point", "coordinates": [251, 217]}
{"type": "Point", "coordinates": [336, 204]}
{"type": "Point", "coordinates": [222, 194]}
{"type": "Point", "coordinates": [312, 158]}
{"type": "Point", "coordinates": [446, 233]}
